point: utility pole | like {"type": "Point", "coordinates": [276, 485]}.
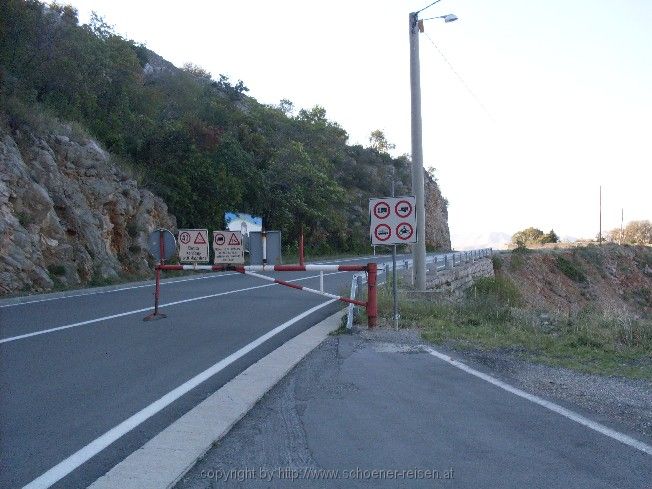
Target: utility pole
{"type": "Point", "coordinates": [622, 214]}
{"type": "Point", "coordinates": [600, 230]}
{"type": "Point", "coordinates": [394, 285]}
{"type": "Point", "coordinates": [419, 250]}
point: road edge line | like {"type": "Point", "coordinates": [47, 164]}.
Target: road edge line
{"type": "Point", "coordinates": [167, 457]}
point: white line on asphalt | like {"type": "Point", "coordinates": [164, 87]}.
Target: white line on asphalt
{"type": "Point", "coordinates": [578, 418]}
{"type": "Point", "coordinates": [129, 313]}
{"type": "Point", "coordinates": [66, 466]}
{"type": "Point", "coordinates": [115, 290]}
{"type": "Point", "coordinates": [340, 260]}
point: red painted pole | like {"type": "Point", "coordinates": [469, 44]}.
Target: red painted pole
{"type": "Point", "coordinates": [372, 297]}
{"type": "Point", "coordinates": [157, 289]}
{"type": "Point", "coordinates": [301, 261]}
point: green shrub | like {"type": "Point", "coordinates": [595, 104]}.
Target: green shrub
{"type": "Point", "coordinates": [56, 270]}
{"type": "Point", "coordinates": [572, 270]}
{"type": "Point", "coordinates": [499, 289]}
{"type": "Point", "coordinates": [132, 229]}
{"type": "Point", "coordinates": [517, 260]}
{"type": "Point", "coordinates": [25, 219]}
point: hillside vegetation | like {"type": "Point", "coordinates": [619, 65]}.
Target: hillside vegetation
{"type": "Point", "coordinates": [201, 144]}
{"type": "Point", "coordinates": [586, 308]}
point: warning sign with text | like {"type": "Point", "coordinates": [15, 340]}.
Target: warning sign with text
{"type": "Point", "coordinates": [228, 247]}
{"type": "Point", "coordinates": [393, 220]}
{"type": "Point", "coordinates": [193, 245]}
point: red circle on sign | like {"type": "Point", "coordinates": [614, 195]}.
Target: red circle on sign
{"type": "Point", "coordinates": [381, 210]}
{"type": "Point", "coordinates": [403, 208]}
{"type": "Point", "coordinates": [404, 231]}
{"type": "Point", "coordinates": [219, 239]}
{"type": "Point", "coordinates": [184, 237]}
{"type": "Point", "coordinates": [383, 232]}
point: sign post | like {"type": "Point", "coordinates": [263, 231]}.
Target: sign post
{"type": "Point", "coordinates": [392, 222]}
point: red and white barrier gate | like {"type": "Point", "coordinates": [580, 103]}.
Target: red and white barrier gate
{"type": "Point", "coordinates": [371, 305]}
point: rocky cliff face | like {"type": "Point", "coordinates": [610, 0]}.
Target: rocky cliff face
{"type": "Point", "coordinates": [437, 233]}
{"type": "Point", "coordinates": [68, 214]}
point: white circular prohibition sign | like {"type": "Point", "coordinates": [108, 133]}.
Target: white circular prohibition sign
{"type": "Point", "coordinates": [381, 210]}
{"type": "Point", "coordinates": [383, 232]}
{"type": "Point", "coordinates": [404, 231]}
{"type": "Point", "coordinates": [403, 208]}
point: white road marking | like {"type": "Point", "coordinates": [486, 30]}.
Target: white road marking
{"type": "Point", "coordinates": [567, 413]}
{"type": "Point", "coordinates": [137, 311]}
{"type": "Point", "coordinates": [78, 458]}
{"type": "Point", "coordinates": [360, 258]}
{"type": "Point", "coordinates": [115, 290]}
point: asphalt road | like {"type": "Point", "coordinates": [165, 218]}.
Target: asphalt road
{"type": "Point", "coordinates": [63, 389]}
{"type": "Point", "coordinates": [378, 411]}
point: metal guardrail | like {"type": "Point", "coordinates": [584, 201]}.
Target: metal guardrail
{"type": "Point", "coordinates": [441, 262]}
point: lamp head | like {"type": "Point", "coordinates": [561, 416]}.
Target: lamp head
{"type": "Point", "coordinates": [449, 18]}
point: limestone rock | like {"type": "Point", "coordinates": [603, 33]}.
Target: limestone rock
{"type": "Point", "coordinates": [437, 233]}
{"type": "Point", "coordinates": [68, 214]}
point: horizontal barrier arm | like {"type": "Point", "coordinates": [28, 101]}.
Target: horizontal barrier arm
{"type": "Point", "coordinates": [214, 268]}
{"type": "Point", "coordinates": [300, 287]}
{"type": "Point", "coordinates": [269, 268]}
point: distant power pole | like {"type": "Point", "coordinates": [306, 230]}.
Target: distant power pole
{"type": "Point", "coordinates": [600, 231]}
{"type": "Point", "coordinates": [419, 252]}
{"type": "Point", "coordinates": [622, 213]}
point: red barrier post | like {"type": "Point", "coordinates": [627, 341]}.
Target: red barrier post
{"type": "Point", "coordinates": [157, 291]}
{"type": "Point", "coordinates": [372, 297]}
{"type": "Point", "coordinates": [157, 288]}
{"type": "Point", "coordinates": [301, 260]}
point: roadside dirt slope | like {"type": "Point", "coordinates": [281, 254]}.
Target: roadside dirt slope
{"type": "Point", "coordinates": [609, 278]}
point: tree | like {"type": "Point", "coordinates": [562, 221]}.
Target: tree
{"type": "Point", "coordinates": [315, 116]}
{"type": "Point", "coordinates": [286, 106]}
{"type": "Point", "coordinates": [201, 144]}
{"type": "Point", "coordinates": [379, 142]}
{"type": "Point", "coordinates": [638, 232]}
{"type": "Point", "coordinates": [197, 71]}
{"type": "Point", "coordinates": [550, 237]}
{"type": "Point", "coordinates": [528, 236]}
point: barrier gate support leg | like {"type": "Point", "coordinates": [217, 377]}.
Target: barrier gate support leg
{"type": "Point", "coordinates": [157, 290]}
{"type": "Point", "coordinates": [157, 294]}
{"type": "Point", "coordinates": [372, 297]}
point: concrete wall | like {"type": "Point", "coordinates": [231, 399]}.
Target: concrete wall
{"type": "Point", "coordinates": [454, 280]}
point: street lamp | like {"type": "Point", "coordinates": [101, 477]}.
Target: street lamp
{"type": "Point", "coordinates": [419, 251]}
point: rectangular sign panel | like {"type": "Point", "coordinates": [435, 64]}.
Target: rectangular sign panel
{"type": "Point", "coordinates": [245, 223]}
{"type": "Point", "coordinates": [228, 247]}
{"type": "Point", "coordinates": [273, 248]}
{"type": "Point", "coordinates": [193, 245]}
{"type": "Point", "coordinates": [393, 220]}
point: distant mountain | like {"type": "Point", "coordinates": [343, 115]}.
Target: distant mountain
{"type": "Point", "coordinates": [470, 240]}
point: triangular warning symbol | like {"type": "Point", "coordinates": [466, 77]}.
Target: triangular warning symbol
{"type": "Point", "coordinates": [199, 239]}
{"type": "Point", "coordinates": [234, 241]}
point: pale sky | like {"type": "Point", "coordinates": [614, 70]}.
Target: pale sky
{"type": "Point", "coordinates": [566, 87]}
